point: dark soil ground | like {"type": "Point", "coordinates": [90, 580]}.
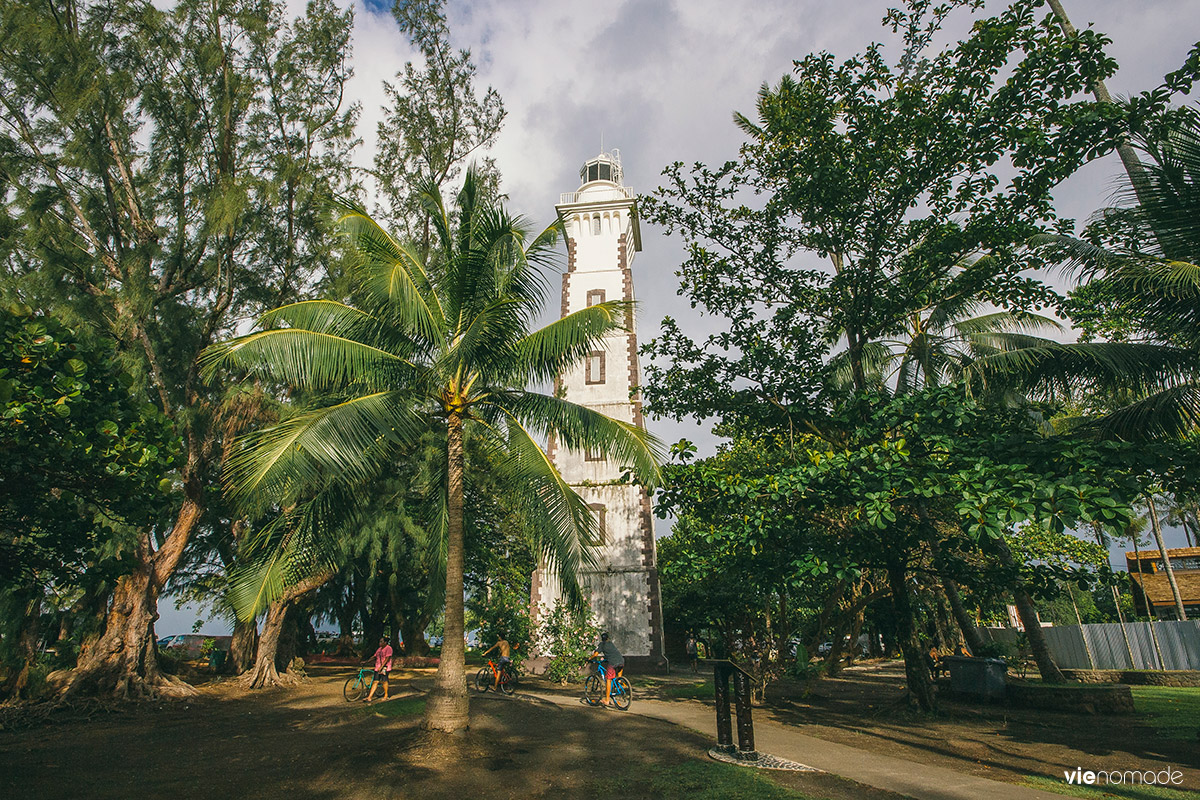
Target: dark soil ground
{"type": "Point", "coordinates": [307, 742]}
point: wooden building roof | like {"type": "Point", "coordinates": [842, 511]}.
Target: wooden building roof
{"type": "Point", "coordinates": [1158, 590]}
{"type": "Point", "coordinates": [1173, 552]}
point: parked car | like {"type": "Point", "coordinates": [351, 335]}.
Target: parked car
{"type": "Point", "coordinates": [192, 644]}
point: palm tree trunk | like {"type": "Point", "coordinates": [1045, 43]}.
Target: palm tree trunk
{"type": "Point", "coordinates": [447, 709]}
{"type": "Point", "coordinates": [1162, 549]}
{"type": "Point", "coordinates": [1133, 165]}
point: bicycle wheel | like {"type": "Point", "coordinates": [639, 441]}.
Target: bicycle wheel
{"type": "Point", "coordinates": [508, 682]}
{"type": "Point", "coordinates": [622, 694]}
{"type": "Point", "coordinates": [354, 688]}
{"type": "Point", "coordinates": [593, 690]}
{"type": "Point", "coordinates": [484, 680]}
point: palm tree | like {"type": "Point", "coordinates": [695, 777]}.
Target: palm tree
{"type": "Point", "coordinates": [445, 346]}
{"type": "Point", "coordinates": [1142, 263]}
{"type": "Point", "coordinates": [1144, 266]}
{"type": "Point", "coordinates": [936, 346]}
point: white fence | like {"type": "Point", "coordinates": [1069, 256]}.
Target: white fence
{"type": "Point", "coordinates": [1134, 645]}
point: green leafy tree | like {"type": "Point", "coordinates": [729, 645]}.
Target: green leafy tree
{"type": "Point", "coordinates": [143, 152]}
{"type": "Point", "coordinates": [84, 468]}
{"type": "Point", "coordinates": [891, 175]}
{"type": "Point", "coordinates": [916, 185]}
{"type": "Point", "coordinates": [435, 121]}
{"type": "Point", "coordinates": [443, 347]}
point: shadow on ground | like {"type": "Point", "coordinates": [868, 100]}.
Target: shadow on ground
{"type": "Point", "coordinates": [307, 743]}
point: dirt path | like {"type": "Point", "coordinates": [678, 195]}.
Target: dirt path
{"type": "Point", "coordinates": [864, 709]}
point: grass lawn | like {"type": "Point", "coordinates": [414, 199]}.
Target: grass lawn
{"type": "Point", "coordinates": [693, 780]}
{"type": "Point", "coordinates": [1098, 792]}
{"type": "Point", "coordinates": [404, 707]}
{"type": "Point", "coordinates": [1175, 711]}
{"type": "Point", "coordinates": [698, 688]}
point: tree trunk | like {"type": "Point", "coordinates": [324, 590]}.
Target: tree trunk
{"type": "Point", "coordinates": [244, 646]}
{"type": "Point", "coordinates": [266, 668]}
{"type": "Point", "coordinates": [17, 685]}
{"type": "Point", "coordinates": [1033, 627]}
{"type": "Point", "coordinates": [920, 682]}
{"type": "Point", "coordinates": [447, 707]}
{"type": "Point", "coordinates": [123, 661]}
{"type": "Point", "coordinates": [374, 623]}
{"type": "Point", "coordinates": [970, 633]}
{"type": "Point", "coordinates": [272, 645]}
{"type": "Point", "coordinates": [1162, 550]}
{"type": "Point", "coordinates": [413, 634]}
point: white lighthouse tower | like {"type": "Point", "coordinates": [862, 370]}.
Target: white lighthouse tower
{"type": "Point", "coordinates": [603, 236]}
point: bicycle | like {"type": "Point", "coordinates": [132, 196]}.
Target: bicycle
{"type": "Point", "coordinates": [358, 685]}
{"type": "Point", "coordinates": [486, 677]}
{"type": "Point", "coordinates": [621, 692]}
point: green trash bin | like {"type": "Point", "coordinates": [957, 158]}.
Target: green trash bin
{"type": "Point", "coordinates": [216, 659]}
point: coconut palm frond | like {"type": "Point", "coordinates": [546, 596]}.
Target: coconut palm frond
{"type": "Point", "coordinates": [1062, 368]}
{"type": "Point", "coordinates": [549, 351]}
{"type": "Point", "coordinates": [580, 428]}
{"type": "Point", "coordinates": [1169, 414]}
{"type": "Point", "coordinates": [342, 440]}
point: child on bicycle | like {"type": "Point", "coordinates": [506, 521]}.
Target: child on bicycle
{"type": "Point", "coordinates": [504, 649]}
{"type": "Point", "coordinates": [613, 661]}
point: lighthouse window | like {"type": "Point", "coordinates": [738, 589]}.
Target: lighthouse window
{"type": "Point", "coordinates": [599, 171]}
{"type": "Point", "coordinates": [596, 226]}
{"type": "Point", "coordinates": [595, 367]}
{"type": "Point", "coordinates": [595, 296]}
{"type": "Point", "coordinates": [601, 514]}
{"type": "Point", "coordinates": [592, 455]}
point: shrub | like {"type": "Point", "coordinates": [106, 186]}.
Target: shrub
{"type": "Point", "coordinates": [506, 612]}
{"type": "Point", "coordinates": [567, 638]}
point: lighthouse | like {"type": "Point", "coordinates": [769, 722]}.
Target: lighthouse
{"type": "Point", "coordinates": [603, 237]}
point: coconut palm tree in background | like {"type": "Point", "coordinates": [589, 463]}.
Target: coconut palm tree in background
{"type": "Point", "coordinates": [1141, 267]}
{"type": "Point", "coordinates": [445, 345]}
{"type": "Point", "coordinates": [936, 346]}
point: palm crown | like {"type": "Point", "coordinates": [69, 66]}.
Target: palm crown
{"type": "Point", "coordinates": [1144, 293]}
{"type": "Point", "coordinates": [445, 343]}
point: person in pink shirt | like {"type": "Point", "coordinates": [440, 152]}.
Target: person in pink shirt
{"type": "Point", "coordinates": [383, 665]}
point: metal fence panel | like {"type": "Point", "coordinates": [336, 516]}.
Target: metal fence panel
{"type": "Point", "coordinates": [1067, 647]}
{"type": "Point", "coordinates": [1179, 641]}
{"type": "Point", "coordinates": [1141, 645]}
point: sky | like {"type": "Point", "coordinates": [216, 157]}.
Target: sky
{"type": "Point", "coordinates": [660, 80]}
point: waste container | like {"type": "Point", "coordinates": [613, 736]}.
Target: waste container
{"type": "Point", "coordinates": [216, 659]}
{"type": "Point", "coordinates": [980, 678]}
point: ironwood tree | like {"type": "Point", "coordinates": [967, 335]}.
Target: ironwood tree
{"type": "Point", "coordinates": [151, 160]}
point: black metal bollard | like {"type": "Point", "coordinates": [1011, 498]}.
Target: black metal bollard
{"type": "Point", "coordinates": [741, 691]}
{"type": "Point", "coordinates": [721, 696]}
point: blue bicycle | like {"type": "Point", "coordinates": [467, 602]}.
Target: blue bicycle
{"type": "Point", "coordinates": [621, 693]}
{"type": "Point", "coordinates": [358, 685]}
